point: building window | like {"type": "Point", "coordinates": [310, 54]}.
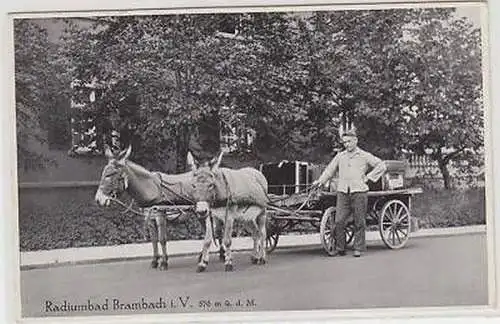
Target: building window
{"type": "Point", "coordinates": [86, 132]}
{"type": "Point", "coordinates": [235, 134]}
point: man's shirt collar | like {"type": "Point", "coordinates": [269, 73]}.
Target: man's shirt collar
{"type": "Point", "coordinates": [356, 151]}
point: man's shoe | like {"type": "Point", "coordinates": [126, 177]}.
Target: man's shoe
{"type": "Point", "coordinates": [337, 253]}
{"type": "Point", "coordinates": [356, 253]}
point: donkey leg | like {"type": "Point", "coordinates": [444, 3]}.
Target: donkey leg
{"type": "Point", "coordinates": [218, 233]}
{"type": "Point", "coordinates": [152, 230]}
{"type": "Point", "coordinates": [162, 233]}
{"type": "Point", "coordinates": [261, 222]}
{"type": "Point", "coordinates": [228, 230]}
{"type": "Point", "coordinates": [204, 256]}
{"type": "Point", "coordinates": [254, 230]}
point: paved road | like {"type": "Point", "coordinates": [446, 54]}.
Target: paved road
{"type": "Point", "coordinates": [438, 271]}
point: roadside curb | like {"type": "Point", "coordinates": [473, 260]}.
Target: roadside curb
{"type": "Point", "coordinates": [143, 251]}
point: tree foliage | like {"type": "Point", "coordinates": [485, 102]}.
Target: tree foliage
{"type": "Point", "coordinates": [40, 92]}
{"type": "Point", "coordinates": [444, 102]}
{"type": "Point", "coordinates": [410, 77]}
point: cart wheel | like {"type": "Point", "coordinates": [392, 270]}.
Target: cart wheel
{"type": "Point", "coordinates": [272, 242]}
{"type": "Point", "coordinates": [394, 224]}
{"type": "Point", "coordinates": [273, 234]}
{"type": "Point", "coordinates": [326, 233]}
{"type": "Point", "coordinates": [349, 233]}
{"type": "Point", "coordinates": [325, 230]}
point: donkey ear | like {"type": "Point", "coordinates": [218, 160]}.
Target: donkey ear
{"type": "Point", "coordinates": [124, 155]}
{"type": "Point", "coordinates": [215, 162]}
{"type": "Point", "coordinates": [108, 153]}
{"type": "Point", "coordinates": [190, 161]}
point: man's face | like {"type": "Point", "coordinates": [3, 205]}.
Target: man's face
{"type": "Point", "coordinates": [349, 142]}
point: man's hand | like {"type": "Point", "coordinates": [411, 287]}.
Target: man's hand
{"type": "Point", "coordinates": [315, 190]}
{"type": "Point", "coordinates": [316, 185]}
{"type": "Point", "coordinates": [365, 178]}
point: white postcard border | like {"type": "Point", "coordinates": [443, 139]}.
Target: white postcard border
{"type": "Point", "coordinates": [11, 301]}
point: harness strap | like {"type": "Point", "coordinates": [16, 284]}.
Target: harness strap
{"type": "Point", "coordinates": [128, 208]}
{"type": "Point", "coordinates": [213, 229]}
{"type": "Point", "coordinates": [165, 184]}
{"type": "Point", "coordinates": [309, 196]}
{"type": "Point", "coordinates": [229, 198]}
{"type": "Point", "coordinates": [228, 201]}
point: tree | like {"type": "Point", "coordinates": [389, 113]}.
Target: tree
{"type": "Point", "coordinates": [288, 75]}
{"type": "Point", "coordinates": [445, 112]}
{"type": "Point", "coordinates": [163, 61]}
{"type": "Point", "coordinates": [38, 79]}
{"type": "Point", "coordinates": [413, 82]}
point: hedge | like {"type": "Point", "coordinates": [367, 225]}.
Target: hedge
{"type": "Point", "coordinates": [68, 217]}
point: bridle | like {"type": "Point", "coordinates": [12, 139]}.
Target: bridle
{"type": "Point", "coordinates": [113, 193]}
{"type": "Point", "coordinates": [113, 196]}
{"type": "Point", "coordinates": [212, 198]}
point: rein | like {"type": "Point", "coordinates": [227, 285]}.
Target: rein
{"type": "Point", "coordinates": [309, 196]}
{"type": "Point", "coordinates": [127, 208]}
{"type": "Point", "coordinates": [228, 199]}
{"type": "Point", "coordinates": [165, 184]}
{"type": "Point", "coordinates": [311, 193]}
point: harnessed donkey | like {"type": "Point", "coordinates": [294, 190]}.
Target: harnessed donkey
{"type": "Point", "coordinates": [149, 190]}
{"type": "Point", "coordinates": [243, 195]}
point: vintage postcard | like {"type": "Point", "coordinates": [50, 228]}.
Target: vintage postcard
{"type": "Point", "coordinates": [253, 163]}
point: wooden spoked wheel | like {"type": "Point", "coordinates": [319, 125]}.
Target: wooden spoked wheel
{"type": "Point", "coordinates": [349, 233]}
{"type": "Point", "coordinates": [327, 226]}
{"type": "Point", "coordinates": [394, 224]}
{"type": "Point", "coordinates": [272, 237]}
{"type": "Point", "coordinates": [326, 232]}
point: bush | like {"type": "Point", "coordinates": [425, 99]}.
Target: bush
{"type": "Point", "coordinates": [449, 208]}
{"type": "Point", "coordinates": [69, 217]}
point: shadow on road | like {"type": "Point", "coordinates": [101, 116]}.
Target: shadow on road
{"type": "Point", "coordinates": [319, 251]}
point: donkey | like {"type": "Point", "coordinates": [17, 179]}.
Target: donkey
{"type": "Point", "coordinates": [148, 189]}
{"type": "Point", "coordinates": [243, 193]}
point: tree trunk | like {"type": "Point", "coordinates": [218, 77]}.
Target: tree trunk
{"type": "Point", "coordinates": [443, 167]}
{"type": "Point", "coordinates": [182, 146]}
{"type": "Point", "coordinates": [204, 144]}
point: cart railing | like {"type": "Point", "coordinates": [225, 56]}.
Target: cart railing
{"type": "Point", "coordinates": [375, 193]}
{"type": "Point", "coordinates": [287, 189]}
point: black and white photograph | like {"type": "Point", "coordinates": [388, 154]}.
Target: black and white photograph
{"type": "Point", "coordinates": [260, 160]}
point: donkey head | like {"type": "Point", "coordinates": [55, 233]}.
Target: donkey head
{"type": "Point", "coordinates": [205, 183]}
{"type": "Point", "coordinates": [114, 179]}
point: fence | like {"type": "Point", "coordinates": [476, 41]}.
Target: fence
{"type": "Point", "coordinates": [59, 184]}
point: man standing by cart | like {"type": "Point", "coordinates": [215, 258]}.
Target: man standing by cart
{"type": "Point", "coordinates": [352, 165]}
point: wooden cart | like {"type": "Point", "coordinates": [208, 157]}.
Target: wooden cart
{"type": "Point", "coordinates": [389, 211]}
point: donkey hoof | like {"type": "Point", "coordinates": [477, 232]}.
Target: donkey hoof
{"type": "Point", "coordinates": [201, 268]}
{"type": "Point", "coordinates": [154, 264]}
{"type": "Point", "coordinates": [261, 261]}
{"type": "Point", "coordinates": [229, 267]}
{"type": "Point", "coordinates": [163, 265]}
{"type": "Point", "coordinates": [254, 260]}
